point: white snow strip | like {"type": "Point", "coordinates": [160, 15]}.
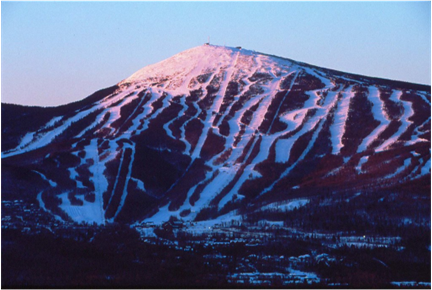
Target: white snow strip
{"type": "Point", "coordinates": [53, 122]}
{"type": "Point", "coordinates": [325, 80]}
{"type": "Point", "coordinates": [206, 226]}
{"type": "Point", "coordinates": [283, 99]}
{"type": "Point", "coordinates": [99, 119]}
{"type": "Point", "coordinates": [115, 112]}
{"type": "Point", "coordinates": [124, 195]}
{"type": "Point", "coordinates": [224, 177]}
{"type": "Point", "coordinates": [362, 161]}
{"type": "Point", "coordinates": [426, 168]}
{"type": "Point", "coordinates": [306, 151]}
{"type": "Point", "coordinates": [51, 183]}
{"type": "Point", "coordinates": [181, 113]}
{"type": "Point", "coordinates": [214, 108]}
{"type": "Point", "coordinates": [117, 176]}
{"type": "Point", "coordinates": [337, 129]}
{"type": "Point", "coordinates": [26, 139]}
{"type": "Point", "coordinates": [266, 142]}
{"type": "Point", "coordinates": [248, 173]}
{"type": "Point", "coordinates": [161, 216]}
{"type": "Point", "coordinates": [43, 139]}
{"type": "Point", "coordinates": [80, 214]}
{"type": "Point", "coordinates": [140, 184]}
{"type": "Point", "coordinates": [407, 162]}
{"type": "Point", "coordinates": [148, 113]}
{"type": "Point", "coordinates": [379, 115]}
{"type": "Point", "coordinates": [352, 197]}
{"type": "Point", "coordinates": [287, 205]}
{"type": "Point", "coordinates": [408, 112]}
{"type": "Point", "coordinates": [73, 174]}
{"type": "Point", "coordinates": [284, 146]}
{"type": "Point", "coordinates": [423, 96]}
{"type": "Point", "coordinates": [42, 205]}
{"type": "Point", "coordinates": [89, 212]}
{"type": "Point", "coordinates": [99, 180]}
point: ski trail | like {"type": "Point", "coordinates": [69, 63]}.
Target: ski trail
{"type": "Point", "coordinates": [283, 99]}
{"type": "Point", "coordinates": [418, 132]}
{"type": "Point", "coordinates": [88, 212]}
{"type": "Point", "coordinates": [115, 113]}
{"type": "Point", "coordinates": [73, 174]}
{"type": "Point", "coordinates": [180, 114]}
{"type": "Point", "coordinates": [247, 73]}
{"type": "Point", "coordinates": [99, 181]}
{"type": "Point", "coordinates": [188, 146]}
{"type": "Point", "coordinates": [423, 96]}
{"type": "Point", "coordinates": [37, 140]}
{"type": "Point", "coordinates": [42, 205]}
{"type": "Point", "coordinates": [362, 161]}
{"type": "Point", "coordinates": [236, 99]}
{"type": "Point", "coordinates": [224, 177]}
{"type": "Point", "coordinates": [399, 170]}
{"type": "Point", "coordinates": [234, 123]}
{"type": "Point", "coordinates": [117, 177]}
{"type": "Point", "coordinates": [214, 108]}
{"type": "Point", "coordinates": [284, 146]}
{"type": "Point", "coordinates": [99, 119]}
{"type": "Point", "coordinates": [108, 107]}
{"type": "Point", "coordinates": [267, 140]}
{"type": "Point", "coordinates": [256, 121]}
{"type": "Point", "coordinates": [125, 193]}
{"type": "Point", "coordinates": [30, 136]}
{"type": "Point", "coordinates": [305, 152]}
{"type": "Point", "coordinates": [264, 100]}
{"type": "Point", "coordinates": [51, 183]}
{"type": "Point", "coordinates": [149, 113]}
{"type": "Point", "coordinates": [408, 112]}
{"type": "Point", "coordinates": [426, 168]}
{"type": "Point", "coordinates": [337, 129]}
{"type": "Point", "coordinates": [379, 115]}
{"type": "Point", "coordinates": [117, 132]}
{"type": "Point", "coordinates": [141, 119]}
{"type": "Point", "coordinates": [209, 118]}
{"type": "Point", "coordinates": [248, 170]}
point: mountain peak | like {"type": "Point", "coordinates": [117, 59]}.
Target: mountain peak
{"type": "Point", "coordinates": [200, 60]}
{"type": "Point", "coordinates": [182, 62]}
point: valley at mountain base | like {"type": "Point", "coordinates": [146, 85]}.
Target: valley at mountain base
{"type": "Point", "coordinates": [248, 169]}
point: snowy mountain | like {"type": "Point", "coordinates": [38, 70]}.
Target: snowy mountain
{"type": "Point", "coordinates": [214, 131]}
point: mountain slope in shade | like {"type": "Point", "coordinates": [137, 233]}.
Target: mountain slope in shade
{"type": "Point", "coordinates": [214, 131]}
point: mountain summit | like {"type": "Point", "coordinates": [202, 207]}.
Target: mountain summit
{"type": "Point", "coordinates": [214, 133]}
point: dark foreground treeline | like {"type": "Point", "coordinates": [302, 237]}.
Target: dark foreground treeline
{"type": "Point", "coordinates": [115, 257]}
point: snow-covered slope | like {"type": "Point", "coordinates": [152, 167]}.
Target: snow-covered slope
{"type": "Point", "coordinates": [214, 128]}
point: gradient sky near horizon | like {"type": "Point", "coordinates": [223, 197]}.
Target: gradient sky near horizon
{"type": "Point", "coordinates": [53, 53]}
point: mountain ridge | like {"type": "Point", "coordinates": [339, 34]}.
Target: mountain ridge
{"type": "Point", "coordinates": [213, 130]}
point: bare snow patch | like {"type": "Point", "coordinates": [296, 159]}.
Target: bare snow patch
{"type": "Point", "coordinates": [286, 206]}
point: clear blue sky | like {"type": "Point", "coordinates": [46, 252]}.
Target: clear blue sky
{"type": "Point", "coordinates": [58, 52]}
